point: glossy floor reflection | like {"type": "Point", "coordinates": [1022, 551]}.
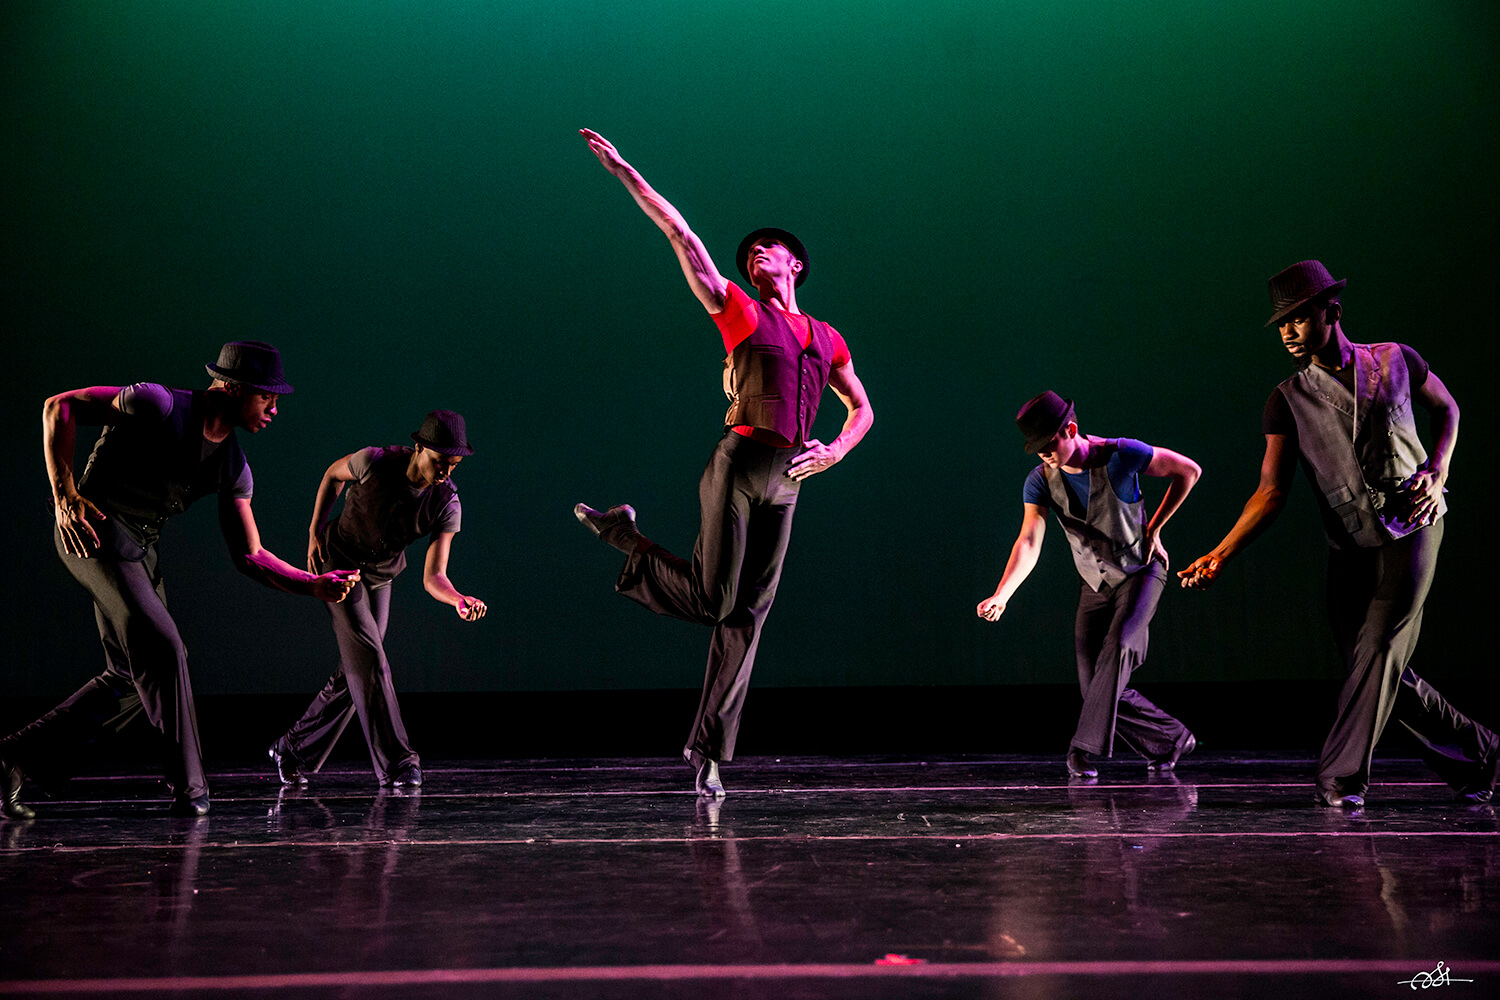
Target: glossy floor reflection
{"type": "Point", "coordinates": [609, 878]}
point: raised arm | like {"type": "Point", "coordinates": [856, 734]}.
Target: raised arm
{"type": "Point", "coordinates": [237, 522]}
{"type": "Point", "coordinates": [697, 266]}
{"type": "Point", "coordinates": [435, 580]}
{"type": "Point", "coordinates": [329, 489]}
{"type": "Point", "coordinates": [817, 456]}
{"type": "Point", "coordinates": [1182, 472]}
{"type": "Point", "coordinates": [1276, 471]}
{"type": "Point", "coordinates": [1426, 485]}
{"type": "Point", "coordinates": [1023, 555]}
{"type": "Point", "coordinates": [61, 415]}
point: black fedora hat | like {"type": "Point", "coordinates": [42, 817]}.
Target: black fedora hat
{"type": "Point", "coordinates": [1042, 417]}
{"type": "Point", "coordinates": [786, 239]}
{"type": "Point", "coordinates": [252, 363]}
{"type": "Point", "coordinates": [1298, 285]}
{"type": "Point", "coordinates": [443, 431]}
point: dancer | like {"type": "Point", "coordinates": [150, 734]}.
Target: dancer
{"type": "Point", "coordinates": [779, 361]}
{"type": "Point", "coordinates": [1093, 485]}
{"type": "Point", "coordinates": [161, 450]}
{"type": "Point", "coordinates": [1347, 414]}
{"type": "Point", "coordinates": [398, 494]}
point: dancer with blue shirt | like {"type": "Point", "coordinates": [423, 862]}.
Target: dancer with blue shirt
{"type": "Point", "coordinates": [1093, 485]}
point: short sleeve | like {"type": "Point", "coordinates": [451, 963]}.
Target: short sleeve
{"type": "Point", "coordinates": [1277, 418]}
{"type": "Point", "coordinates": [146, 401]}
{"type": "Point", "coordinates": [362, 461]}
{"type": "Point", "coordinates": [1035, 489]}
{"type": "Point", "coordinates": [739, 318]}
{"type": "Point", "coordinates": [1132, 456]}
{"type": "Point", "coordinates": [840, 349]}
{"type": "Point", "coordinates": [450, 518]}
{"type": "Point", "coordinates": [1417, 369]}
{"type": "Point", "coordinates": [243, 487]}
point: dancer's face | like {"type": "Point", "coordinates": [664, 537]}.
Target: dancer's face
{"type": "Point", "coordinates": [1061, 449]}
{"type": "Point", "coordinates": [771, 259]}
{"type": "Point", "coordinates": [433, 467]}
{"type": "Point", "coordinates": [1308, 330]}
{"type": "Point", "coordinates": [256, 408]}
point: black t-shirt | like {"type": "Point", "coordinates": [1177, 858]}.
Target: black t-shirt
{"type": "Point", "coordinates": [1278, 419]}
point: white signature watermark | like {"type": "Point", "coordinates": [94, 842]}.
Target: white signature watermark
{"type": "Point", "coordinates": [1441, 976]}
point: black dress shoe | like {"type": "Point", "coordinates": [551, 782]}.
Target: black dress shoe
{"type": "Point", "coordinates": [10, 788]}
{"type": "Point", "coordinates": [1482, 788]}
{"type": "Point", "coordinates": [406, 776]}
{"type": "Point", "coordinates": [1078, 764]}
{"type": "Point", "coordinates": [615, 526]}
{"type": "Point", "coordinates": [182, 805]}
{"type": "Point", "coordinates": [706, 779]}
{"type": "Point", "coordinates": [1349, 800]}
{"type": "Point", "coordinates": [286, 765]}
{"type": "Point", "coordinates": [708, 783]}
{"type": "Point", "coordinates": [1178, 752]}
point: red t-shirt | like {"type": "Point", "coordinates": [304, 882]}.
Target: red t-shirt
{"type": "Point", "coordinates": [740, 318]}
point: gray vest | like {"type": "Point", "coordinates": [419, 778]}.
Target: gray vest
{"type": "Point", "coordinates": [1357, 448]}
{"type": "Point", "coordinates": [1108, 539]}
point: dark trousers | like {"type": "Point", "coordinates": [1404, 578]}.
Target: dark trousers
{"type": "Point", "coordinates": [145, 671]}
{"type": "Point", "coordinates": [361, 686]}
{"type": "Point", "coordinates": [1375, 599]}
{"type": "Point", "coordinates": [1110, 638]}
{"type": "Point", "coordinates": [746, 502]}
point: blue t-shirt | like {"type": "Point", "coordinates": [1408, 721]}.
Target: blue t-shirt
{"type": "Point", "coordinates": [1124, 467]}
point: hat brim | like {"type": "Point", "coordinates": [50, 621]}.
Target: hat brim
{"type": "Point", "coordinates": [454, 451]}
{"type": "Point", "coordinates": [1034, 443]}
{"type": "Point", "coordinates": [1287, 310]}
{"type": "Point", "coordinates": [786, 239]}
{"type": "Point", "coordinates": [279, 388]}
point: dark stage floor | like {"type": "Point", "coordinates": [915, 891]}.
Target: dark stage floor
{"type": "Point", "coordinates": [608, 878]}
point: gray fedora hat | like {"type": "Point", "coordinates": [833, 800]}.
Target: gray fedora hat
{"type": "Point", "coordinates": [443, 431]}
{"type": "Point", "coordinates": [1297, 285]}
{"type": "Point", "coordinates": [252, 363]}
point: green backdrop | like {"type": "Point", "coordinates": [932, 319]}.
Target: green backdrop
{"type": "Point", "coordinates": [999, 197]}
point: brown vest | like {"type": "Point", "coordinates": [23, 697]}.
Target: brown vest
{"type": "Point", "coordinates": [772, 382]}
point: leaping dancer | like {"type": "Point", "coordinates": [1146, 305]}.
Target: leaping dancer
{"type": "Point", "coordinates": [779, 361]}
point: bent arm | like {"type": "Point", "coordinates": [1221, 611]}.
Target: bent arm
{"type": "Point", "coordinates": [1023, 556]}
{"type": "Point", "coordinates": [860, 415]}
{"type": "Point", "coordinates": [702, 275]}
{"type": "Point", "coordinates": [1182, 473]}
{"type": "Point", "coordinates": [435, 580]}
{"type": "Point", "coordinates": [329, 489]}
{"type": "Point", "coordinates": [242, 536]}
{"type": "Point", "coordinates": [1260, 512]}
{"type": "Point", "coordinates": [61, 415]}
{"type": "Point", "coordinates": [1426, 485]}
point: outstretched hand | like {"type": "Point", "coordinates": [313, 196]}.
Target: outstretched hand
{"type": "Point", "coordinates": [605, 150]}
{"type": "Point", "coordinates": [1201, 574]}
{"type": "Point", "coordinates": [73, 514]}
{"type": "Point", "coordinates": [471, 609]}
{"type": "Point", "coordinates": [991, 609]}
{"type": "Point", "coordinates": [334, 586]}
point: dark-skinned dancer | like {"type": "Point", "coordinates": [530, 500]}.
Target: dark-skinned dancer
{"type": "Point", "coordinates": [161, 450]}
{"type": "Point", "coordinates": [779, 361]}
{"type": "Point", "coordinates": [1347, 414]}
{"type": "Point", "coordinates": [394, 496]}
